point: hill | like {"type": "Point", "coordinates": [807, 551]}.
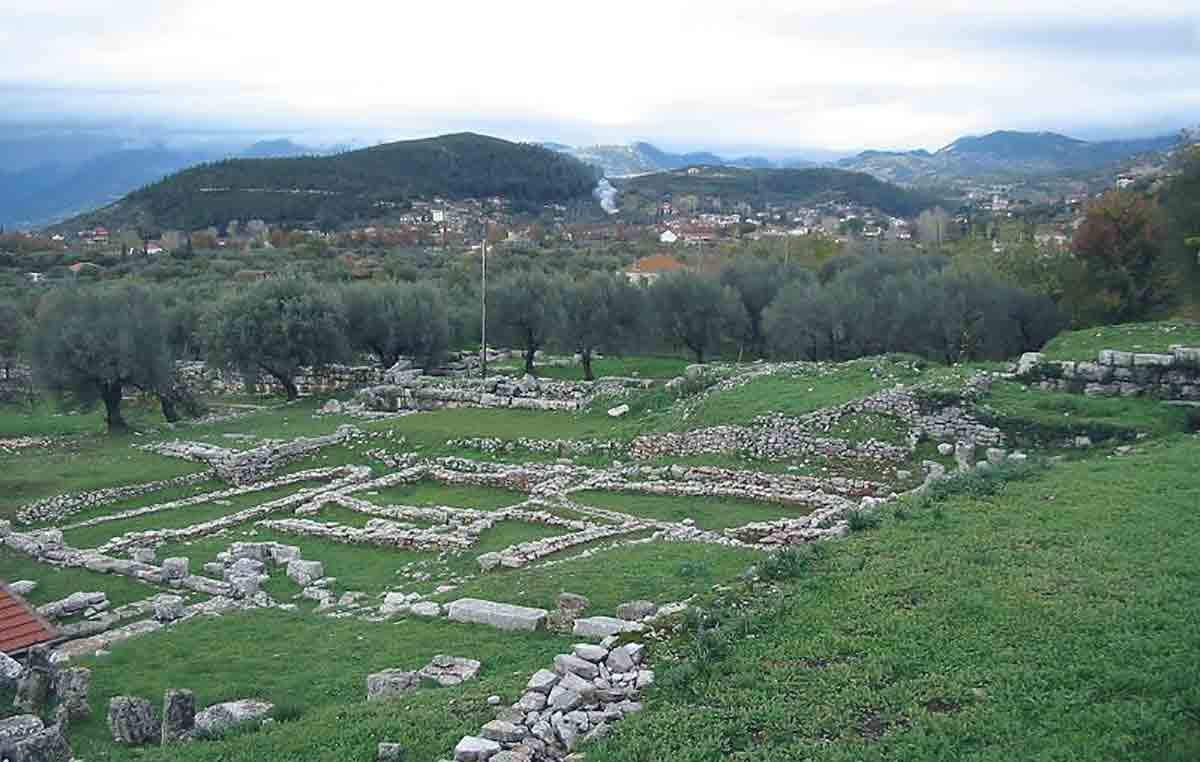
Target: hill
{"type": "Point", "coordinates": [332, 189]}
{"type": "Point", "coordinates": [800, 186]}
{"type": "Point", "coordinates": [1002, 154]}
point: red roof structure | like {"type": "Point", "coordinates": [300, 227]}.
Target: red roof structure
{"type": "Point", "coordinates": [20, 626]}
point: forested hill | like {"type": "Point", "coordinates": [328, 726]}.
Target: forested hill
{"type": "Point", "coordinates": [800, 186]}
{"type": "Point", "coordinates": [330, 190]}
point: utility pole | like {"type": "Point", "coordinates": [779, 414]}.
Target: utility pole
{"type": "Point", "coordinates": [483, 312]}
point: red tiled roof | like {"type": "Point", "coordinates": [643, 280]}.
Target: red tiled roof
{"type": "Point", "coordinates": [21, 626]}
{"type": "Point", "coordinates": [657, 263]}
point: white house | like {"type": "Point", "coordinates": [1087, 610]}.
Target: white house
{"type": "Point", "coordinates": [668, 237]}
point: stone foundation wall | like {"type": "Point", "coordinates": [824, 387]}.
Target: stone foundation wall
{"type": "Point", "coordinates": [1174, 376]}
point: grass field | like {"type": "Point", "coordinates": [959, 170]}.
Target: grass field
{"type": "Point", "coordinates": [715, 513]}
{"type": "Point", "coordinates": [624, 367]}
{"type": "Point", "coordinates": [816, 386]}
{"type": "Point", "coordinates": [1053, 618]}
{"type": "Point", "coordinates": [176, 518]}
{"type": "Point", "coordinates": [1053, 621]}
{"type": "Point", "coordinates": [432, 493]}
{"type": "Point", "coordinates": [317, 667]}
{"type": "Point", "coordinates": [660, 572]}
{"type": "Point", "coordinates": [1128, 337]}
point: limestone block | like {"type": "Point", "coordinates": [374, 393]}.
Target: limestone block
{"type": "Point", "coordinates": [304, 573]}
{"type": "Point", "coordinates": [500, 615]}
{"type": "Point", "coordinates": [218, 718]}
{"type": "Point", "coordinates": [391, 683]}
{"type": "Point", "coordinates": [474, 749]}
{"type": "Point", "coordinates": [174, 568]}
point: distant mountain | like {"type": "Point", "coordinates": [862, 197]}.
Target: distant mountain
{"type": "Point", "coordinates": [280, 149]}
{"type": "Point", "coordinates": [54, 190]}
{"type": "Point", "coordinates": [640, 158]}
{"type": "Point", "coordinates": [759, 186]}
{"type": "Point", "coordinates": [363, 184]}
{"type": "Point", "coordinates": [1004, 154]}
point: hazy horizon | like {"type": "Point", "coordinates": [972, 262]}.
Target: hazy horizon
{"type": "Point", "coordinates": [762, 77]}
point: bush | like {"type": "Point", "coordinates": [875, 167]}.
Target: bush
{"type": "Point", "coordinates": [788, 563]}
{"type": "Point", "coordinates": [862, 519]}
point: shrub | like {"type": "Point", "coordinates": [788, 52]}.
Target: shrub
{"type": "Point", "coordinates": [862, 519]}
{"type": "Point", "coordinates": [788, 563]}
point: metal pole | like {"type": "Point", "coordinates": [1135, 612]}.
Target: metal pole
{"type": "Point", "coordinates": [483, 300]}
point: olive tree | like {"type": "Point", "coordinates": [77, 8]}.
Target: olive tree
{"type": "Point", "coordinates": [390, 320]}
{"type": "Point", "coordinates": [524, 309]}
{"type": "Point", "coordinates": [695, 312]}
{"type": "Point", "coordinates": [599, 313]}
{"type": "Point", "coordinates": [13, 328]}
{"type": "Point", "coordinates": [93, 344]}
{"type": "Point", "coordinates": [276, 327]}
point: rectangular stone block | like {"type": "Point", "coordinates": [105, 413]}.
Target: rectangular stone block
{"type": "Point", "coordinates": [1144, 360]}
{"type": "Point", "coordinates": [503, 616]}
{"type": "Point", "coordinates": [1116, 358]}
{"type": "Point", "coordinates": [603, 626]}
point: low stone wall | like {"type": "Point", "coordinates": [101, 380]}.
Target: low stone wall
{"type": "Point", "coordinates": [1174, 376]}
{"type": "Point", "coordinates": [248, 466]}
{"type": "Point", "coordinates": [204, 378]}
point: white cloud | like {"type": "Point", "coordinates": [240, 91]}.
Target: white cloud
{"type": "Point", "coordinates": [840, 74]}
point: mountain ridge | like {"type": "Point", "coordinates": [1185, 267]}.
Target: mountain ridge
{"type": "Point", "coordinates": [330, 190]}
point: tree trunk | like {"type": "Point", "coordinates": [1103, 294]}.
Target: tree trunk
{"type": "Point", "coordinates": [289, 386]}
{"type": "Point", "coordinates": [112, 409]}
{"type": "Point", "coordinates": [529, 353]}
{"type": "Point", "coordinates": [699, 352]}
{"type": "Point", "coordinates": [167, 402]}
{"type": "Point", "coordinates": [585, 359]}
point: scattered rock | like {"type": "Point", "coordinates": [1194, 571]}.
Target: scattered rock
{"type": "Point", "coordinates": [217, 719]}
{"type": "Point", "coordinates": [131, 721]}
{"type": "Point", "coordinates": [179, 716]}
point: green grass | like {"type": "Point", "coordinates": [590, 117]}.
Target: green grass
{"type": "Point", "coordinates": [1128, 337]}
{"type": "Point", "coordinates": [1053, 620]}
{"type": "Point", "coordinates": [212, 658]}
{"type": "Point", "coordinates": [636, 367]}
{"type": "Point", "coordinates": [278, 421]}
{"type": "Point", "coordinates": [432, 429]}
{"type": "Point", "coordinates": [864, 426]}
{"type": "Point", "coordinates": [55, 583]}
{"type": "Point", "coordinates": [817, 386]}
{"type": "Point", "coordinates": [92, 463]}
{"type": "Point", "coordinates": [47, 419]}
{"type": "Point", "coordinates": [1031, 417]}
{"type": "Point", "coordinates": [175, 518]}
{"type": "Point", "coordinates": [662, 572]}
{"type": "Point", "coordinates": [715, 513]}
{"type": "Point", "coordinates": [432, 493]}
{"type": "Point", "coordinates": [151, 498]}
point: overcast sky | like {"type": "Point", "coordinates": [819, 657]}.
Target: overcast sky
{"type": "Point", "coordinates": [762, 74]}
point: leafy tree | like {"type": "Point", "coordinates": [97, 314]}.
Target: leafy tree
{"type": "Point", "coordinates": [13, 328]}
{"type": "Point", "coordinates": [524, 309]}
{"type": "Point", "coordinates": [1119, 245]}
{"type": "Point", "coordinates": [599, 312]}
{"type": "Point", "coordinates": [277, 326]}
{"type": "Point", "coordinates": [391, 320]}
{"type": "Point", "coordinates": [1181, 208]}
{"type": "Point", "coordinates": [756, 282]}
{"type": "Point", "coordinates": [93, 344]}
{"type": "Point", "coordinates": [933, 226]}
{"type": "Point", "coordinates": [695, 311]}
